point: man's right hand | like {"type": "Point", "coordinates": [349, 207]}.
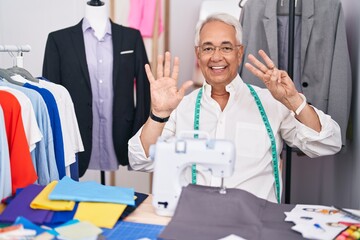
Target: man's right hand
{"type": "Point", "coordinates": [165, 95]}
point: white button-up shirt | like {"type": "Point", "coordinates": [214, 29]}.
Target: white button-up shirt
{"type": "Point", "coordinates": [241, 122]}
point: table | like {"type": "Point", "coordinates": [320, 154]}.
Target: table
{"type": "Point", "coordinates": [145, 213]}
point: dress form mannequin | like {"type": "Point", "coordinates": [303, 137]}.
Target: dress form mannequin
{"type": "Point", "coordinates": [97, 15]}
{"type": "Point", "coordinates": [101, 95]}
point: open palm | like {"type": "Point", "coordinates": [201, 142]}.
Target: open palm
{"type": "Point", "coordinates": [165, 95]}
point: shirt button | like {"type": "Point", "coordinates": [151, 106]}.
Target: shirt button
{"type": "Point", "coordinates": [100, 61]}
{"type": "Point", "coordinates": [100, 81]}
{"type": "Point", "coordinates": [305, 84]}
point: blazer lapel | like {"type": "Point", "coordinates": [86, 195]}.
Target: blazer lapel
{"type": "Point", "coordinates": [117, 43]}
{"type": "Point", "coordinates": [270, 26]}
{"type": "Point", "coordinates": [306, 28]}
{"type": "Point", "coordinates": [79, 46]}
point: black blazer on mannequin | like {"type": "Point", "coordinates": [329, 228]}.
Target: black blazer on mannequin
{"type": "Point", "coordinates": [65, 64]}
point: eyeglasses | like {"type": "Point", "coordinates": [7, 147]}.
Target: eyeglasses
{"type": "Point", "coordinates": [209, 49]}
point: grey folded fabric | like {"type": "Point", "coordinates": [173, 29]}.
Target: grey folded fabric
{"type": "Point", "coordinates": [204, 213]}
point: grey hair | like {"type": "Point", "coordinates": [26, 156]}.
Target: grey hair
{"type": "Point", "coordinates": [221, 17]}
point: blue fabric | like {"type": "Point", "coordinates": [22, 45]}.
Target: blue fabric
{"type": "Point", "coordinates": [60, 217]}
{"type": "Point", "coordinates": [74, 169]}
{"type": "Point", "coordinates": [55, 125]}
{"type": "Point", "coordinates": [91, 191]}
{"type": "Point", "coordinates": [30, 225]}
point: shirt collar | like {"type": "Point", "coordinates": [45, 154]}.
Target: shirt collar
{"type": "Point", "coordinates": [233, 86]}
{"type": "Point", "coordinates": [86, 25]}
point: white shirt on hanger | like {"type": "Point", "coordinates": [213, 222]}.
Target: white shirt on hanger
{"type": "Point", "coordinates": [69, 124]}
{"type": "Point", "coordinates": [31, 127]}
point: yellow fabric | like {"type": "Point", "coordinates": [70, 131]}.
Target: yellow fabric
{"type": "Point", "coordinates": [42, 201]}
{"type": "Point", "coordinates": [100, 214]}
{"type": "Point", "coordinates": [2, 207]}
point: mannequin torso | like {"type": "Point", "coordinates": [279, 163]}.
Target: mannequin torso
{"type": "Point", "coordinates": [97, 17]}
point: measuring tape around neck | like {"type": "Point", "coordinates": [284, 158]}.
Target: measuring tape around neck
{"type": "Point", "coordinates": [196, 127]}
{"type": "Point", "coordinates": [268, 130]}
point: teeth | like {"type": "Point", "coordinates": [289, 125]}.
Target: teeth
{"type": "Point", "coordinates": [217, 67]}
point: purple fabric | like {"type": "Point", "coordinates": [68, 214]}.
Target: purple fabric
{"type": "Point", "coordinates": [20, 206]}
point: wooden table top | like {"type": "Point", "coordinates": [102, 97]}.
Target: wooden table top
{"type": "Point", "coordinates": [145, 213]}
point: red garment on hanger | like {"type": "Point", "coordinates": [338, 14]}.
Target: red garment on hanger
{"type": "Point", "coordinates": [22, 169]}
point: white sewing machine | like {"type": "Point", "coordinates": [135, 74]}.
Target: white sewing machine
{"type": "Point", "coordinates": [173, 155]}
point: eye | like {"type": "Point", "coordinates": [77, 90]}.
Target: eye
{"type": "Point", "coordinates": [226, 49]}
{"type": "Point", "coordinates": [208, 49]}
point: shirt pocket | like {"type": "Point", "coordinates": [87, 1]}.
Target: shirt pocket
{"type": "Point", "coordinates": [251, 140]}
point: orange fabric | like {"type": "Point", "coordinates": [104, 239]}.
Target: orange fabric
{"type": "Point", "coordinates": [22, 169]}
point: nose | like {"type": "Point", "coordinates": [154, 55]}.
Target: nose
{"type": "Point", "coordinates": [216, 54]}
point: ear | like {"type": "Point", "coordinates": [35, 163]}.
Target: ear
{"type": "Point", "coordinates": [240, 53]}
{"type": "Point", "coordinates": [197, 52]}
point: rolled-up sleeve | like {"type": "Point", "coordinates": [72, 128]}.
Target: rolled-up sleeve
{"type": "Point", "coordinates": [137, 157]}
{"type": "Point", "coordinates": [315, 144]}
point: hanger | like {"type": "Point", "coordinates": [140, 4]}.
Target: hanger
{"type": "Point", "coordinates": [95, 3]}
{"type": "Point", "coordinates": [24, 73]}
{"type": "Point", "coordinates": [242, 3]}
{"type": "Point", "coordinates": [6, 75]}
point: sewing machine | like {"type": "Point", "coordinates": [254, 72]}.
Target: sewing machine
{"type": "Point", "coordinates": [172, 156]}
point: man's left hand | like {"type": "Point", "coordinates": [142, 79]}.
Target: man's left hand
{"type": "Point", "coordinates": [277, 81]}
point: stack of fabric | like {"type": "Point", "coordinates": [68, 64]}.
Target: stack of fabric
{"type": "Point", "coordinates": [69, 205]}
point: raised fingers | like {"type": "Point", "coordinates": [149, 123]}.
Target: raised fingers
{"type": "Point", "coordinates": [167, 64]}
{"type": "Point", "coordinates": [269, 63]}
{"type": "Point", "coordinates": [175, 72]}
{"type": "Point", "coordinates": [149, 73]}
{"type": "Point", "coordinates": [254, 70]}
{"type": "Point", "coordinates": [259, 65]}
{"type": "Point", "coordinates": [160, 67]}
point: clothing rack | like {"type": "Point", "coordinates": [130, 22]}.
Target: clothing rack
{"type": "Point", "coordinates": [19, 49]}
{"type": "Point", "coordinates": [290, 71]}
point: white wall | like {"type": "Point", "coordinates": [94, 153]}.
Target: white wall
{"type": "Point", "coordinates": [28, 22]}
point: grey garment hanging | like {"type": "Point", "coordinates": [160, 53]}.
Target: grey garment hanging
{"type": "Point", "coordinates": [204, 214]}
{"type": "Point", "coordinates": [283, 44]}
{"type": "Point", "coordinates": [325, 62]}
{"type": "Point", "coordinates": [24, 73]}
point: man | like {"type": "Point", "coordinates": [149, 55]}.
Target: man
{"type": "Point", "coordinates": [256, 120]}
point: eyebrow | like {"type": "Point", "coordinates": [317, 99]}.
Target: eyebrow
{"type": "Point", "coordinates": [224, 42]}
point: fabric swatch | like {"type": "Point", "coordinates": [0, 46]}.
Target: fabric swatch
{"type": "Point", "coordinates": [100, 214]}
{"type": "Point", "coordinates": [91, 191]}
{"type": "Point", "coordinates": [42, 201]}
